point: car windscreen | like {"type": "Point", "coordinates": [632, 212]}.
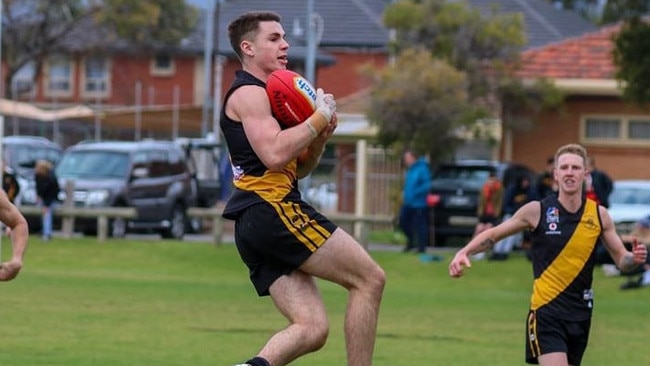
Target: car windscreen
{"type": "Point", "coordinates": [476, 175]}
{"type": "Point", "coordinates": [630, 195]}
{"type": "Point", "coordinates": [24, 157]}
{"type": "Point", "coordinates": [93, 165]}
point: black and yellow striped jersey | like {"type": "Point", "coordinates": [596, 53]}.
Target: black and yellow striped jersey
{"type": "Point", "coordinates": [253, 182]}
{"type": "Point", "coordinates": [563, 254]}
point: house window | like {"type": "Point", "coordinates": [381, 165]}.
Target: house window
{"type": "Point", "coordinates": [639, 130]}
{"type": "Point", "coordinates": [616, 130]}
{"type": "Point", "coordinates": [603, 128]}
{"type": "Point", "coordinates": [96, 76]}
{"type": "Point", "coordinates": [59, 82]}
{"type": "Point", "coordinates": [22, 82]}
{"type": "Point", "coordinates": [162, 65]}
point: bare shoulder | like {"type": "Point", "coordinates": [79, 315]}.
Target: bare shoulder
{"type": "Point", "coordinates": [247, 101]}
{"type": "Point", "coordinates": [530, 213]}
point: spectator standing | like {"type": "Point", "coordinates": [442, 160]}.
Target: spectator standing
{"type": "Point", "coordinates": [490, 204]}
{"type": "Point", "coordinates": [517, 194]}
{"type": "Point", "coordinates": [47, 192]}
{"type": "Point", "coordinates": [598, 185]}
{"type": "Point", "coordinates": [414, 214]}
{"type": "Point", "coordinates": [545, 184]}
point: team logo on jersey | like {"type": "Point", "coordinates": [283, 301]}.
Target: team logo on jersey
{"type": "Point", "coordinates": [552, 215]}
{"type": "Point", "coordinates": [552, 219]}
{"type": "Point", "coordinates": [591, 223]}
{"type": "Point", "coordinates": [237, 172]}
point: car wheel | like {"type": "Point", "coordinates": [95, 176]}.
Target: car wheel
{"type": "Point", "coordinates": [195, 225]}
{"type": "Point", "coordinates": [177, 224]}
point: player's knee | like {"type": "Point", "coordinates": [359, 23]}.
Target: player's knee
{"type": "Point", "coordinates": [315, 335]}
{"type": "Point", "coordinates": [376, 279]}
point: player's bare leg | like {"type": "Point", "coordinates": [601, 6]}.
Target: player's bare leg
{"type": "Point", "coordinates": [298, 299]}
{"type": "Point", "coordinates": [342, 260]}
{"type": "Point", "coordinates": [553, 359]}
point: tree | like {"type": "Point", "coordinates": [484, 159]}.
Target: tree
{"type": "Point", "coordinates": [464, 64]}
{"type": "Point", "coordinates": [632, 44]}
{"type": "Point", "coordinates": [421, 101]}
{"type": "Point", "coordinates": [147, 22]}
{"type": "Point", "coordinates": [34, 29]}
{"type": "Point", "coordinates": [632, 47]}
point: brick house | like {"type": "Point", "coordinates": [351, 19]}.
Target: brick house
{"type": "Point", "coordinates": [615, 132]}
{"type": "Point", "coordinates": [161, 90]}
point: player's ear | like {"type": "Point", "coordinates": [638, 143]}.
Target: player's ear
{"type": "Point", "coordinates": [247, 47]}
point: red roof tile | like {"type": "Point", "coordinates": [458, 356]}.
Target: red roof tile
{"type": "Point", "coordinates": [585, 57]}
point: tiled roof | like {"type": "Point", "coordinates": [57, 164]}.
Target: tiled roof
{"type": "Point", "coordinates": [544, 22]}
{"type": "Point", "coordinates": [586, 57]}
{"type": "Point", "coordinates": [346, 23]}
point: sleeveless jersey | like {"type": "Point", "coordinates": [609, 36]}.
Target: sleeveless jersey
{"type": "Point", "coordinates": [253, 182]}
{"type": "Point", "coordinates": [563, 255]}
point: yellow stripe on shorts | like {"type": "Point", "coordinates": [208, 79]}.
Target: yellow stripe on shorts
{"type": "Point", "coordinates": [305, 229]}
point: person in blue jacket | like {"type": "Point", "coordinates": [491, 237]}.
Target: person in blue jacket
{"type": "Point", "coordinates": [414, 213]}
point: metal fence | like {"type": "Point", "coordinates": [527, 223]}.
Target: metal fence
{"type": "Point", "coordinates": [333, 188]}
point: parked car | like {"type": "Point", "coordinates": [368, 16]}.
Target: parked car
{"type": "Point", "coordinates": [323, 196]}
{"type": "Point", "coordinates": [457, 186]}
{"type": "Point", "coordinates": [628, 203]}
{"type": "Point", "coordinates": [203, 157]}
{"type": "Point", "coordinates": [151, 176]}
{"type": "Point", "coordinates": [20, 153]}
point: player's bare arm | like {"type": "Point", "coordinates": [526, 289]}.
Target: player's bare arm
{"type": "Point", "coordinates": [525, 218]}
{"type": "Point", "coordinates": [10, 215]}
{"type": "Point", "coordinates": [625, 260]}
{"type": "Point", "coordinates": [275, 147]}
{"type": "Point", "coordinates": [309, 159]}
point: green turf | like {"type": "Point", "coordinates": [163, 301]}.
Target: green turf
{"type": "Point", "coordinates": [78, 302]}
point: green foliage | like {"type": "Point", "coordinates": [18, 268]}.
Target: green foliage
{"type": "Point", "coordinates": [456, 33]}
{"type": "Point", "coordinates": [34, 29]}
{"type": "Point", "coordinates": [147, 22]}
{"type": "Point", "coordinates": [78, 302]}
{"type": "Point", "coordinates": [451, 60]}
{"type": "Point", "coordinates": [420, 101]}
{"type": "Point", "coordinates": [632, 47]}
{"type": "Point", "coordinates": [617, 10]}
{"type": "Point", "coordinates": [521, 103]}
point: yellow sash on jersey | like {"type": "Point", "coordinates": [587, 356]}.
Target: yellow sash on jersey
{"type": "Point", "coordinates": [571, 260]}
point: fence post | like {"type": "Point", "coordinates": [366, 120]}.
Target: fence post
{"type": "Point", "coordinates": [67, 222]}
{"type": "Point", "coordinates": [102, 228]}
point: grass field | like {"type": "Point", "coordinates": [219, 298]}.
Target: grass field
{"type": "Point", "coordinates": [78, 302]}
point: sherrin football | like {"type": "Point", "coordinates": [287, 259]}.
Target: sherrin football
{"type": "Point", "coordinates": [292, 97]}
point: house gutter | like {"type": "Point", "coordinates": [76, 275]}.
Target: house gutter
{"type": "Point", "coordinates": [602, 87]}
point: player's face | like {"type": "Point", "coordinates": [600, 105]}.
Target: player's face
{"type": "Point", "coordinates": [570, 173]}
{"type": "Point", "coordinates": [270, 47]}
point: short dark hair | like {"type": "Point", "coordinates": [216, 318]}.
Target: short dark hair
{"type": "Point", "coordinates": [246, 27]}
